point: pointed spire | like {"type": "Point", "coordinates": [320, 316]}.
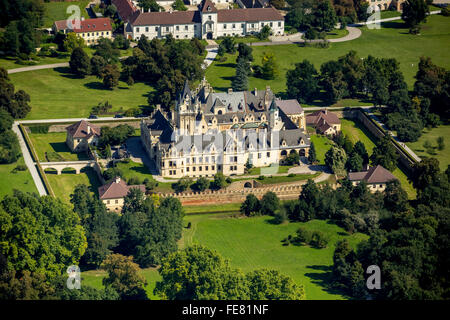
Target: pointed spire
{"type": "Point", "coordinates": [186, 90]}
{"type": "Point", "coordinates": [273, 105]}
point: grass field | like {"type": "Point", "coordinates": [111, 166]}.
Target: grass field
{"type": "Point", "coordinates": [391, 41]}
{"type": "Point", "coordinates": [253, 243]}
{"type": "Point", "coordinates": [431, 135]}
{"type": "Point", "coordinates": [64, 184]}
{"type": "Point", "coordinates": [55, 93]}
{"type": "Point", "coordinates": [21, 180]}
{"type": "Point", "coordinates": [58, 11]}
{"type": "Point", "coordinates": [321, 144]}
{"type": "Point", "coordinates": [54, 142]}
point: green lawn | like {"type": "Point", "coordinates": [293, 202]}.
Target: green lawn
{"type": "Point", "coordinates": [134, 169]}
{"type": "Point", "coordinates": [21, 180]}
{"type": "Point", "coordinates": [431, 135]}
{"type": "Point", "coordinates": [51, 143]}
{"type": "Point", "coordinates": [57, 11]}
{"type": "Point", "coordinates": [257, 171]}
{"type": "Point", "coordinates": [10, 62]}
{"type": "Point", "coordinates": [55, 93]}
{"type": "Point", "coordinates": [64, 184]}
{"type": "Point", "coordinates": [284, 179]}
{"type": "Point", "coordinates": [321, 144]}
{"type": "Point", "coordinates": [337, 33]}
{"type": "Point", "coordinates": [93, 278]}
{"type": "Point", "coordinates": [252, 243]}
{"type": "Point", "coordinates": [213, 208]}
{"type": "Point", "coordinates": [391, 41]}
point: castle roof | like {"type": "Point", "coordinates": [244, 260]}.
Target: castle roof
{"type": "Point", "coordinates": [376, 174]}
{"type": "Point", "coordinates": [117, 188]}
{"type": "Point", "coordinates": [83, 129]}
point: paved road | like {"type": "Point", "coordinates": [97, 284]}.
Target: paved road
{"type": "Point", "coordinates": [44, 66]}
{"type": "Point", "coordinates": [76, 119]}
{"type": "Point", "coordinates": [211, 55]}
{"type": "Point", "coordinates": [381, 124]}
{"type": "Point", "coordinates": [29, 161]}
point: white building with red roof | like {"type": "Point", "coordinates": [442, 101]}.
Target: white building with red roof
{"type": "Point", "coordinates": [324, 121]}
{"type": "Point", "coordinates": [80, 135]}
{"type": "Point", "coordinates": [89, 29]}
{"type": "Point", "coordinates": [113, 193]}
{"type": "Point", "coordinates": [206, 23]}
{"type": "Point", "coordinates": [376, 178]}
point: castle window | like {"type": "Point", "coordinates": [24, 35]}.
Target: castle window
{"type": "Point", "coordinates": [146, 29]}
{"type": "Point", "coordinates": [224, 26]}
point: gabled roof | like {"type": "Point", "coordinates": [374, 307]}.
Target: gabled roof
{"type": "Point", "coordinates": [88, 25]}
{"type": "Point", "coordinates": [327, 116]}
{"type": "Point", "coordinates": [83, 129]}
{"type": "Point", "coordinates": [290, 106]}
{"type": "Point", "coordinates": [208, 6]}
{"type": "Point", "coordinates": [376, 174]}
{"type": "Point", "coordinates": [165, 18]}
{"type": "Point", "coordinates": [249, 15]}
{"type": "Point", "coordinates": [125, 8]}
{"type": "Point", "coordinates": [117, 188]}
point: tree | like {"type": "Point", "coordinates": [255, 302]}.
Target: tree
{"type": "Point", "coordinates": [440, 142]}
{"type": "Point", "coordinates": [150, 5]}
{"type": "Point", "coordinates": [269, 68]}
{"type": "Point", "coordinates": [333, 81]}
{"type": "Point", "coordinates": [264, 33]}
{"type": "Point", "coordinates": [425, 173]}
{"type": "Point", "coordinates": [99, 225]}
{"type": "Point", "coordinates": [228, 45]}
{"type": "Point", "coordinates": [6, 121]}
{"type": "Point", "coordinates": [15, 103]}
{"type": "Point", "coordinates": [201, 184]}
{"type": "Point", "coordinates": [179, 5]}
{"type": "Point", "coordinates": [384, 154]}
{"type": "Point", "coordinates": [354, 162]}
{"type": "Point", "coordinates": [250, 206]}
{"type": "Point", "coordinates": [72, 41]}
{"type": "Point", "coordinates": [183, 184]}
{"type": "Point", "coordinates": [240, 80]}
{"type": "Point", "coordinates": [116, 135]}
{"type": "Point", "coordinates": [335, 158]}
{"type": "Point", "coordinates": [97, 64]}
{"type": "Point", "coordinates": [348, 273]}
{"type": "Point", "coordinates": [110, 11]}
{"type": "Point", "coordinates": [324, 16]}
{"type": "Point", "coordinates": [26, 218]}
{"type": "Point", "coordinates": [302, 82]}
{"type": "Point", "coordinates": [110, 75]}
{"type": "Point", "coordinates": [79, 62]}
{"type": "Point", "coordinates": [415, 12]}
{"type": "Point", "coordinates": [197, 273]}
{"type": "Point", "coordinates": [267, 284]}
{"type": "Point", "coordinates": [360, 149]}
{"type": "Point", "coordinates": [293, 158]}
{"type": "Point", "coordinates": [269, 203]}
{"type": "Point", "coordinates": [395, 198]}
{"type": "Point", "coordinates": [105, 49]}
{"type": "Point", "coordinates": [9, 147]}
{"type": "Point", "coordinates": [312, 157]}
{"type": "Point", "coordinates": [124, 278]}
{"type": "Point", "coordinates": [120, 42]}
{"type": "Point", "coordinates": [146, 232]}
{"type": "Point", "coordinates": [218, 182]}
{"type": "Point", "coordinates": [244, 52]}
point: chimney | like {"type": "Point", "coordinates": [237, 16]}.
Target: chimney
{"type": "Point", "coordinates": [82, 18]}
{"type": "Point", "coordinates": [256, 92]}
{"type": "Point", "coordinates": [117, 179]}
{"type": "Point", "coordinates": [88, 128]}
{"type": "Point", "coordinates": [230, 90]}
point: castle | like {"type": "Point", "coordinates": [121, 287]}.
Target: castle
{"type": "Point", "coordinates": [211, 132]}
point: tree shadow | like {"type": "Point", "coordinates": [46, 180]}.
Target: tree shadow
{"type": "Point", "coordinates": [394, 25]}
{"type": "Point", "coordinates": [141, 170]}
{"type": "Point", "coordinates": [96, 86]}
{"type": "Point", "coordinates": [59, 147]}
{"type": "Point", "coordinates": [227, 78]}
{"type": "Point", "coordinates": [94, 181]}
{"type": "Point", "coordinates": [323, 278]}
{"type": "Point", "coordinates": [227, 65]}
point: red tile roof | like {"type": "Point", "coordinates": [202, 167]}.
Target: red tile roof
{"type": "Point", "coordinates": [82, 129]}
{"type": "Point", "coordinates": [117, 188]}
{"type": "Point", "coordinates": [249, 15]}
{"type": "Point", "coordinates": [208, 6]}
{"type": "Point", "coordinates": [165, 18]}
{"type": "Point", "coordinates": [324, 114]}
{"type": "Point", "coordinates": [125, 8]}
{"type": "Point", "coordinates": [376, 174]}
{"type": "Point", "coordinates": [88, 25]}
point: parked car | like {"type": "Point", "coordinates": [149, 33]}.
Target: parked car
{"type": "Point", "coordinates": [93, 116]}
{"type": "Point", "coordinates": [118, 116]}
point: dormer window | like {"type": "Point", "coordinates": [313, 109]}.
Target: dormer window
{"type": "Point", "coordinates": [209, 8]}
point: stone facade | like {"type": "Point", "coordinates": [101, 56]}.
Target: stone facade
{"type": "Point", "coordinates": [212, 132]}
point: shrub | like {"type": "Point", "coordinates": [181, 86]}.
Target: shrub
{"type": "Point", "coordinates": [261, 177]}
{"type": "Point", "coordinates": [39, 129]}
{"type": "Point", "coordinates": [318, 240]}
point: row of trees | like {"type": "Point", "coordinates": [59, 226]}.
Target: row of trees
{"type": "Point", "coordinates": [380, 80]}
{"type": "Point", "coordinates": [13, 105]}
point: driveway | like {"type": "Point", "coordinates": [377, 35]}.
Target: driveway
{"type": "Point", "coordinates": [138, 154]}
